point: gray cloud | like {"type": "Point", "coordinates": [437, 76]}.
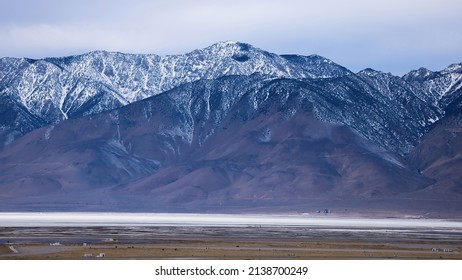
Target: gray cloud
{"type": "Point", "coordinates": [389, 35]}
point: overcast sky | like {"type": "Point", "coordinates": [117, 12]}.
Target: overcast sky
{"type": "Point", "coordinates": [389, 35]}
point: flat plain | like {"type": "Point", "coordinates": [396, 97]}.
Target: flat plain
{"type": "Point", "coordinates": [217, 237]}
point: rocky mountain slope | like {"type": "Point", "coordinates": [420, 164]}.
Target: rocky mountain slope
{"type": "Point", "coordinates": [226, 128]}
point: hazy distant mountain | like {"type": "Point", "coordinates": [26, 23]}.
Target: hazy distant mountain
{"type": "Point", "coordinates": [226, 128]}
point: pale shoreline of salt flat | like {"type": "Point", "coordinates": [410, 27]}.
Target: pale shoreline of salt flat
{"type": "Point", "coordinates": [86, 219]}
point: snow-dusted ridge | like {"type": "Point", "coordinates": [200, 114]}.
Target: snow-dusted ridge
{"type": "Point", "coordinates": [49, 90]}
{"type": "Point", "coordinates": [56, 88]}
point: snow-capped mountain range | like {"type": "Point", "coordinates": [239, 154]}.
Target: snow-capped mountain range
{"type": "Point", "coordinates": [54, 89]}
{"type": "Point", "coordinates": [59, 87]}
{"type": "Point", "coordinates": [182, 104]}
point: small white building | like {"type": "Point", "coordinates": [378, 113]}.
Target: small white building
{"type": "Point", "coordinates": [101, 255]}
{"type": "Point", "coordinates": [87, 255]}
{"type": "Point", "coordinates": [55, 244]}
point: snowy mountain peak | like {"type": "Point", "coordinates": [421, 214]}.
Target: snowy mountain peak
{"type": "Point", "coordinates": [229, 46]}
{"type": "Point", "coordinates": [421, 73]}
{"type": "Point", "coordinates": [320, 59]}
{"type": "Point", "coordinates": [372, 72]}
{"type": "Point", "coordinates": [453, 68]}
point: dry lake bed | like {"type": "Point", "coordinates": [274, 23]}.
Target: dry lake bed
{"type": "Point", "coordinates": [220, 236]}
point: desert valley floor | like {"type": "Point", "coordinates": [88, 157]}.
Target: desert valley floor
{"type": "Point", "coordinates": [187, 236]}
